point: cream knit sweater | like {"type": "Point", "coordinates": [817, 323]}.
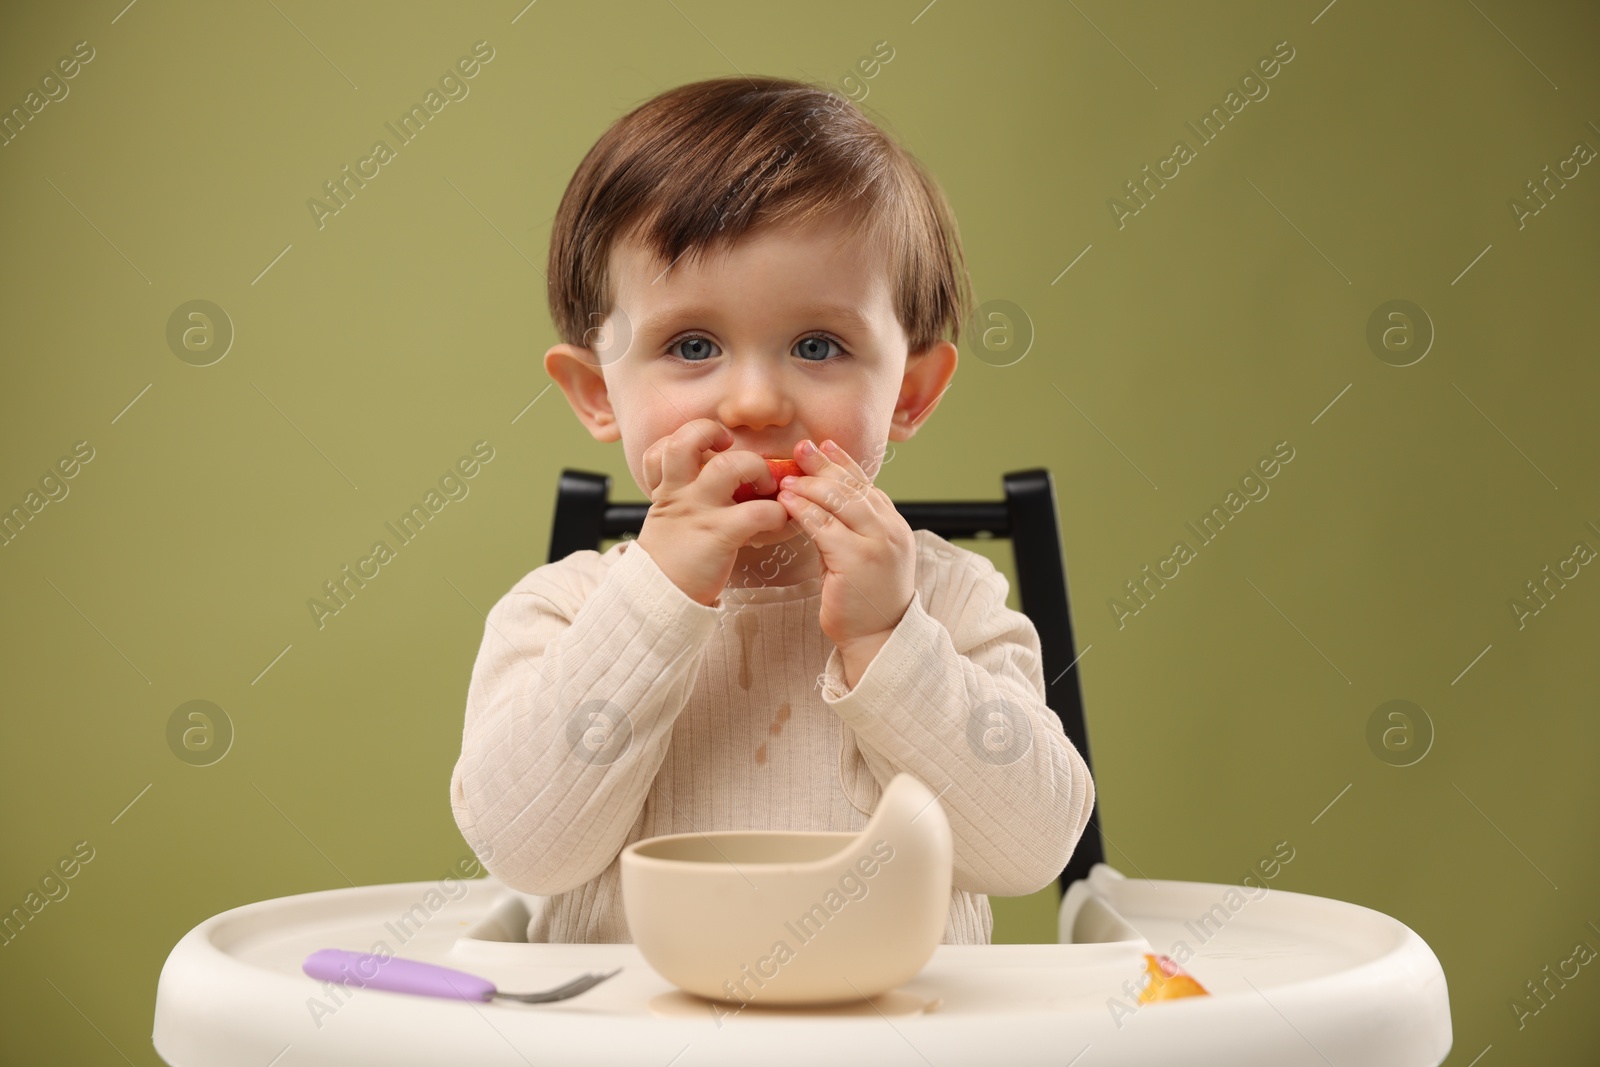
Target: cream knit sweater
{"type": "Point", "coordinates": [607, 706]}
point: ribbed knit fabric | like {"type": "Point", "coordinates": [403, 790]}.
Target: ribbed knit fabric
{"type": "Point", "coordinates": [607, 706]}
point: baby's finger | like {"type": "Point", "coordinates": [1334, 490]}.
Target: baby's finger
{"type": "Point", "coordinates": [816, 520]}
{"type": "Point", "coordinates": [726, 471]}
{"type": "Point", "coordinates": [685, 445]}
{"type": "Point", "coordinates": [844, 459]}
{"type": "Point", "coordinates": [837, 467]}
{"type": "Point", "coordinates": [756, 516]}
{"type": "Point", "coordinates": [837, 495]}
{"type": "Point", "coordinates": [652, 465]}
{"type": "Point", "coordinates": [650, 471]}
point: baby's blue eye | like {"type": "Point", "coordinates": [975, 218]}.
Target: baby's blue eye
{"type": "Point", "coordinates": [808, 347]}
{"type": "Point", "coordinates": [704, 343]}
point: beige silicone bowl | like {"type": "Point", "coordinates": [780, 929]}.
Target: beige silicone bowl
{"type": "Point", "coordinates": [774, 917]}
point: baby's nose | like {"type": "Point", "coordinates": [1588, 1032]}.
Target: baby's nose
{"type": "Point", "coordinates": [754, 396]}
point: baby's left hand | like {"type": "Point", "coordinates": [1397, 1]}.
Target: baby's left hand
{"type": "Point", "coordinates": [868, 552]}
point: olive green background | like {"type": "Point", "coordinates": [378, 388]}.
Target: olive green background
{"type": "Point", "coordinates": [1230, 714]}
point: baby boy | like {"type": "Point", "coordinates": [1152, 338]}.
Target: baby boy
{"type": "Point", "coordinates": [747, 269]}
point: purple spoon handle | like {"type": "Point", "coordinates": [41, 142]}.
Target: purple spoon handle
{"type": "Point", "coordinates": [395, 974]}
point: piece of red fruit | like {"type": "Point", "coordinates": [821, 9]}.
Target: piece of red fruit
{"type": "Point", "coordinates": [781, 469]}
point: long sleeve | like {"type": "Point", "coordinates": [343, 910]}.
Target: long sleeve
{"type": "Point", "coordinates": [962, 708]}
{"type": "Point", "coordinates": [570, 711]}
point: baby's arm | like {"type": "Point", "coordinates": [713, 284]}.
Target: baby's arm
{"type": "Point", "coordinates": [552, 790]}
{"type": "Point", "coordinates": [961, 706]}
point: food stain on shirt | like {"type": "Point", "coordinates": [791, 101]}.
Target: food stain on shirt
{"type": "Point", "coordinates": [747, 633]}
{"type": "Point", "coordinates": [775, 728]}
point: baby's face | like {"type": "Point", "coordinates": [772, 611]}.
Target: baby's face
{"type": "Point", "coordinates": [789, 335]}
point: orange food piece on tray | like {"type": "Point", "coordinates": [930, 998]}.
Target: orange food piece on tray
{"type": "Point", "coordinates": [1165, 980]}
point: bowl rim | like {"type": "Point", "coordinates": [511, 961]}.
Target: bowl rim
{"type": "Point", "coordinates": [847, 838]}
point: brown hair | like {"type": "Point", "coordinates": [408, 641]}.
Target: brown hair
{"type": "Point", "coordinates": [697, 167]}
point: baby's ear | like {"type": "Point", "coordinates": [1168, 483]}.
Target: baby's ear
{"type": "Point", "coordinates": [577, 370]}
{"type": "Point", "coordinates": [927, 376]}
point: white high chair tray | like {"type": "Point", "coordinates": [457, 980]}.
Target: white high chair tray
{"type": "Point", "coordinates": [1294, 979]}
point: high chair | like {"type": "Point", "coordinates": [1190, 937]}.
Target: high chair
{"type": "Point", "coordinates": [1026, 516]}
{"type": "Point", "coordinates": [1258, 977]}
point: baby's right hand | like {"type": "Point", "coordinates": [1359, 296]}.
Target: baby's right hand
{"type": "Point", "coordinates": [693, 529]}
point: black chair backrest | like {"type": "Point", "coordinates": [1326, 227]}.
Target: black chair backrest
{"type": "Point", "coordinates": [1027, 517]}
